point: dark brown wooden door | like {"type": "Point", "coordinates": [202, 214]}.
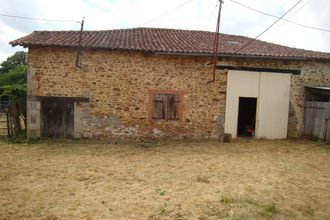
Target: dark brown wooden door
{"type": "Point", "coordinates": [57, 119]}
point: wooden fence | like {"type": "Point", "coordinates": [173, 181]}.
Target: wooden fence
{"type": "Point", "coordinates": [317, 120]}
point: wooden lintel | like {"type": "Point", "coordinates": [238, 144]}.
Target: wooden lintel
{"type": "Point", "coordinates": [59, 99]}
{"type": "Point", "coordinates": [258, 69]}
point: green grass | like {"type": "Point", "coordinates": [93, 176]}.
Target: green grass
{"type": "Point", "coordinates": [226, 200]}
{"type": "Point", "coordinates": [268, 210]}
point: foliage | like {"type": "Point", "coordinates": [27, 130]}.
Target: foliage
{"type": "Point", "coordinates": [14, 61]}
{"type": "Point", "coordinates": [20, 138]}
{"type": "Point", "coordinates": [14, 76]}
{"type": "Point", "coordinates": [13, 84]}
{"type": "Point", "coordinates": [17, 93]}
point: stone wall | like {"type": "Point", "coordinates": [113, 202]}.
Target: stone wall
{"type": "Point", "coordinates": [118, 85]}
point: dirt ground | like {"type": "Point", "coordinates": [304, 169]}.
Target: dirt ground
{"type": "Point", "coordinates": [248, 179]}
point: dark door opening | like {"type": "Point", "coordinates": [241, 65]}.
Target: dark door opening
{"type": "Point", "coordinates": [57, 119]}
{"type": "Point", "coordinates": [246, 116]}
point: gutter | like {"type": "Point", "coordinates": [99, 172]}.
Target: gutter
{"type": "Point", "coordinates": [242, 56]}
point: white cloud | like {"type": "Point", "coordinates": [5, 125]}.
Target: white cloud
{"type": "Point", "coordinates": [197, 15]}
{"type": "Point", "coordinates": [5, 48]}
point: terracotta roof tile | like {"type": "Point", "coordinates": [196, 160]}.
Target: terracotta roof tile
{"type": "Point", "coordinates": [165, 41]}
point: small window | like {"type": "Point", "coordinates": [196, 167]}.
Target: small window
{"type": "Point", "coordinates": [165, 105]}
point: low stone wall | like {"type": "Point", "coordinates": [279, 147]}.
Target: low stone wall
{"type": "Point", "coordinates": [118, 85]}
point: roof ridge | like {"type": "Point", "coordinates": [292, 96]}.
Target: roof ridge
{"type": "Point", "coordinates": [127, 29]}
{"type": "Point", "coordinates": [165, 40]}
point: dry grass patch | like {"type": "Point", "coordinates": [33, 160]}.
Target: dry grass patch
{"type": "Point", "coordinates": [248, 179]}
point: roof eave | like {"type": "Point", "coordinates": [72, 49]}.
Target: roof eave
{"type": "Point", "coordinates": [201, 54]}
{"type": "Point", "coordinates": [245, 56]}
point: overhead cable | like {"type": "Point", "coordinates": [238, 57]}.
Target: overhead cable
{"type": "Point", "coordinates": [275, 16]}
{"type": "Point", "coordinates": [269, 27]}
{"type": "Point", "coordinates": [39, 19]}
{"type": "Point", "coordinates": [166, 13]}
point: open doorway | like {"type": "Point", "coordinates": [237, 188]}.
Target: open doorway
{"type": "Point", "coordinates": [246, 116]}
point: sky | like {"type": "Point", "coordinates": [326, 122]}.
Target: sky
{"type": "Point", "coordinates": [179, 14]}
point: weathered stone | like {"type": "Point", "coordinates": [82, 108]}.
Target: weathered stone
{"type": "Point", "coordinates": [118, 84]}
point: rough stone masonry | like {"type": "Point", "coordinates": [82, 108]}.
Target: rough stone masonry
{"type": "Point", "coordinates": [118, 85]}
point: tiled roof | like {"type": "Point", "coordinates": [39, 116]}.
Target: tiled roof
{"type": "Point", "coordinates": [166, 41]}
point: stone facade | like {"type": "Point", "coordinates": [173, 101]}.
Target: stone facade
{"type": "Point", "coordinates": [118, 85]}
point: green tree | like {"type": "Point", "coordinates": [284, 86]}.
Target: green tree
{"type": "Point", "coordinates": [14, 61]}
{"type": "Point", "coordinates": [13, 84]}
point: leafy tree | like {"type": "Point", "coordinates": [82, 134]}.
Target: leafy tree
{"type": "Point", "coordinates": [13, 85]}
{"type": "Point", "coordinates": [14, 61]}
{"type": "Point", "coordinates": [16, 76]}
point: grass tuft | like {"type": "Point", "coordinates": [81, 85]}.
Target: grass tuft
{"type": "Point", "coordinates": [161, 192]}
{"type": "Point", "coordinates": [20, 138]}
{"type": "Point", "coordinates": [203, 179]}
{"type": "Point", "coordinates": [226, 200]}
{"type": "Point", "coordinates": [268, 210]}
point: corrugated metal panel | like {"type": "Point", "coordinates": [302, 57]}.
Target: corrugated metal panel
{"type": "Point", "coordinates": [273, 106]}
{"type": "Point", "coordinates": [272, 91]}
{"type": "Point", "coordinates": [239, 84]}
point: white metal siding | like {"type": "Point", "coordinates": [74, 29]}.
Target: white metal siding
{"type": "Point", "coordinates": [272, 93]}
{"type": "Point", "coordinates": [239, 84]}
{"type": "Point", "coordinates": [273, 106]}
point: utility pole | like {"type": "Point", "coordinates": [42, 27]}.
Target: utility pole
{"type": "Point", "coordinates": [79, 53]}
{"type": "Point", "coordinates": [216, 42]}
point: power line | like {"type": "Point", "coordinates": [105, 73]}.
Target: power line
{"type": "Point", "coordinates": [280, 18]}
{"type": "Point", "coordinates": [298, 9]}
{"type": "Point", "coordinates": [274, 16]}
{"type": "Point", "coordinates": [166, 13]}
{"type": "Point", "coordinates": [39, 19]}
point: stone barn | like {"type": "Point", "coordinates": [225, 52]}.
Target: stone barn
{"type": "Point", "coordinates": [150, 82]}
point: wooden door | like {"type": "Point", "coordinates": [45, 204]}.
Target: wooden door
{"type": "Point", "coordinates": [57, 119]}
{"type": "Point", "coordinates": [316, 120]}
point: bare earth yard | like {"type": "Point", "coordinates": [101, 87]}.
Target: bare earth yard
{"type": "Point", "coordinates": [174, 180]}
